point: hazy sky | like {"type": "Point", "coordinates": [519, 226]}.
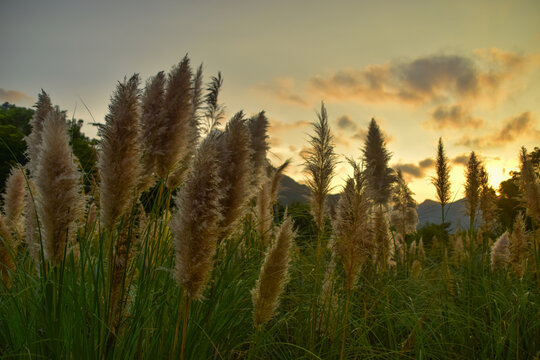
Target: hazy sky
{"type": "Point", "coordinates": [466, 71]}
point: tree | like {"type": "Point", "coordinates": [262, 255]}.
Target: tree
{"type": "Point", "coordinates": [442, 180]}
{"type": "Point", "coordinates": [380, 177]}
{"type": "Point", "coordinates": [510, 195]}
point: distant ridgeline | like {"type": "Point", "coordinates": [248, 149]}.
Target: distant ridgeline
{"type": "Point", "coordinates": [429, 212]}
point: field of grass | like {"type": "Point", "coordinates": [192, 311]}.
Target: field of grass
{"type": "Point", "coordinates": [163, 261]}
{"type": "Point", "coordinates": [448, 309]}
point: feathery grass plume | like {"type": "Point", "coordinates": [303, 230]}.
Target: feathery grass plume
{"type": "Point", "coordinates": [258, 128]}
{"type": "Point", "coordinates": [416, 268]}
{"type": "Point", "coordinates": [530, 184]}
{"type": "Point", "coordinates": [403, 216]}
{"type": "Point", "coordinates": [195, 226]}
{"type": "Point", "coordinates": [196, 103]}
{"type": "Point", "coordinates": [487, 204]}
{"type": "Point", "coordinates": [351, 243]}
{"type": "Point", "coordinates": [119, 158]}
{"type": "Point", "coordinates": [6, 252]}
{"type": "Point", "coordinates": [421, 251]}
{"type": "Point", "coordinates": [442, 180]}
{"type": "Point", "coordinates": [382, 239]}
{"type": "Point", "coordinates": [152, 129]}
{"type": "Point", "coordinates": [459, 252]}
{"type": "Point", "coordinates": [380, 177]}
{"type": "Point", "coordinates": [58, 184]}
{"type": "Point", "coordinates": [320, 162]}
{"type": "Point", "coordinates": [400, 248]}
{"type": "Point", "coordinates": [235, 172]}
{"type": "Point", "coordinates": [31, 234]}
{"type": "Point", "coordinates": [177, 176]}
{"type": "Point", "coordinates": [412, 251]}
{"type": "Point", "coordinates": [14, 200]}
{"type": "Point", "coordinates": [473, 187]}
{"type": "Point", "coordinates": [273, 275]}
{"type": "Point", "coordinates": [176, 124]}
{"type": "Point", "coordinates": [33, 140]}
{"type": "Point", "coordinates": [519, 251]}
{"type": "Point", "coordinates": [91, 216]}
{"type": "Point", "coordinates": [213, 111]}
{"type": "Point", "coordinates": [266, 198]}
{"type": "Point", "coordinates": [500, 252]}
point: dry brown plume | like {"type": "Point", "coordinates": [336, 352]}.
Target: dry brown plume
{"type": "Point", "coordinates": [500, 252]}
{"type": "Point", "coordinates": [266, 198]}
{"type": "Point", "coordinates": [273, 275]}
{"type": "Point", "coordinates": [119, 158]}
{"type": "Point", "coordinates": [58, 184]}
{"type": "Point", "coordinates": [235, 172]}
{"type": "Point", "coordinates": [351, 242]}
{"type": "Point", "coordinates": [195, 226]}
{"type": "Point", "coordinates": [33, 140]}
{"type": "Point", "coordinates": [14, 200]}
{"type": "Point", "coordinates": [152, 129]}
{"type": "Point", "coordinates": [258, 134]}
{"type": "Point", "coordinates": [518, 247]}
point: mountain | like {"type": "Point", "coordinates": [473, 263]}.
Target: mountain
{"type": "Point", "coordinates": [455, 213]}
{"type": "Point", "coordinates": [428, 212]}
{"type": "Point", "coordinates": [291, 191]}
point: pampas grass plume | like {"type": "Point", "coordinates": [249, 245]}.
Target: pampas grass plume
{"type": "Point", "coordinates": [500, 252]}
{"type": "Point", "coordinates": [258, 128]}
{"type": "Point", "coordinates": [119, 159]}
{"type": "Point", "coordinates": [273, 275]}
{"type": "Point", "coordinates": [33, 140]}
{"type": "Point", "coordinates": [176, 134]}
{"type": "Point", "coordinates": [152, 113]}
{"type": "Point", "coordinates": [518, 247]}
{"type": "Point", "coordinates": [14, 200]}
{"type": "Point", "coordinates": [195, 226]}
{"type": "Point", "coordinates": [58, 184]}
{"type": "Point", "coordinates": [235, 171]}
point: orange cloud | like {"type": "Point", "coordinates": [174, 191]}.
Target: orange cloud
{"type": "Point", "coordinates": [452, 117]}
{"type": "Point", "coordinates": [427, 79]}
{"type": "Point", "coordinates": [522, 125]}
{"type": "Point", "coordinates": [14, 96]}
{"type": "Point", "coordinates": [283, 89]}
{"type": "Point", "coordinates": [280, 126]}
{"type": "Point", "coordinates": [416, 170]}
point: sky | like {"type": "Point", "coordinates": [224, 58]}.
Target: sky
{"type": "Point", "coordinates": [466, 71]}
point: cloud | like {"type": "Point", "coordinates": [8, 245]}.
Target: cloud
{"type": "Point", "coordinates": [14, 96]}
{"type": "Point", "coordinates": [455, 116]}
{"type": "Point", "coordinates": [280, 126]}
{"type": "Point", "coordinates": [434, 78]}
{"type": "Point", "coordinates": [416, 170]}
{"type": "Point", "coordinates": [283, 89]}
{"type": "Point", "coordinates": [462, 159]}
{"type": "Point", "coordinates": [345, 122]}
{"type": "Point", "coordinates": [515, 127]}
